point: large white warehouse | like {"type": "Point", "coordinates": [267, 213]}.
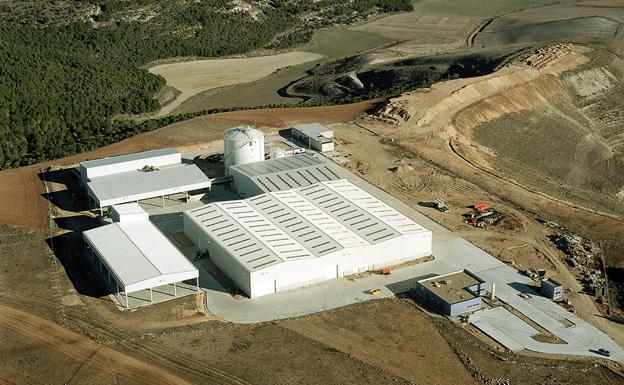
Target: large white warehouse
{"type": "Point", "coordinates": [287, 239]}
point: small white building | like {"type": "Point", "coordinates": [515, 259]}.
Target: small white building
{"type": "Point", "coordinates": [131, 162]}
{"type": "Point", "coordinates": [287, 239]}
{"type": "Point", "coordinates": [314, 136]}
{"type": "Point", "coordinates": [128, 212]}
{"type": "Point", "coordinates": [278, 174]}
{"type": "Point", "coordinates": [134, 257]}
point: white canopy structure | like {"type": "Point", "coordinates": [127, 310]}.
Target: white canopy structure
{"type": "Point", "coordinates": [135, 256]}
{"type": "Point", "coordinates": [138, 185]}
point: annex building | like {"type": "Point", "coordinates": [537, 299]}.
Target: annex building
{"type": "Point", "coordinates": [137, 261]}
{"type": "Point", "coordinates": [135, 177]}
{"type": "Point", "coordinates": [287, 238]}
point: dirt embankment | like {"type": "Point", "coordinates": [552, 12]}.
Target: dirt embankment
{"type": "Point", "coordinates": [538, 146]}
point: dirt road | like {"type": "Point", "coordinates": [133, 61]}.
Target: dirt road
{"type": "Point", "coordinates": [85, 360]}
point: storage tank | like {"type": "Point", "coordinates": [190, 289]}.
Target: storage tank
{"type": "Point", "coordinates": [241, 145]}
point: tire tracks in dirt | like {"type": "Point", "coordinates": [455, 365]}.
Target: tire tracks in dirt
{"type": "Point", "coordinates": [81, 349]}
{"type": "Point", "coordinates": [529, 190]}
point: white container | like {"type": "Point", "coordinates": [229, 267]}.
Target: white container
{"type": "Point", "coordinates": [242, 145]}
{"type": "Point", "coordinates": [277, 153]}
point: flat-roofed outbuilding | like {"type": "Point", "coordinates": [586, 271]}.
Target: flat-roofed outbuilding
{"type": "Point", "coordinates": [135, 256]}
{"type": "Point", "coordinates": [454, 293]}
{"type": "Point", "coordinates": [130, 162]}
{"type": "Point", "coordinates": [314, 136]}
{"type": "Point", "coordinates": [286, 239]}
{"type": "Point", "coordinates": [139, 185]}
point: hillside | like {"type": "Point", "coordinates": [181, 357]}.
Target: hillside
{"type": "Point", "coordinates": [68, 67]}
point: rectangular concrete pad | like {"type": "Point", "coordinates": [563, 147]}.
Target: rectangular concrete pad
{"type": "Point", "coordinates": [503, 326]}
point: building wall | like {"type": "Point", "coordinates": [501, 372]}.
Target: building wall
{"type": "Point", "coordinates": [465, 306]}
{"type": "Point", "coordinates": [219, 256]}
{"type": "Point", "coordinates": [244, 185]}
{"type": "Point", "coordinates": [117, 217]}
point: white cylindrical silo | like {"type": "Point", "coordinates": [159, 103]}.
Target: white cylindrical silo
{"type": "Point", "coordinates": [241, 145]}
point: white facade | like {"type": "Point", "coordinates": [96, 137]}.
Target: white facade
{"type": "Point", "coordinates": [242, 145]}
{"type": "Point", "coordinates": [128, 212]}
{"type": "Point", "coordinates": [124, 163]}
{"type": "Point", "coordinates": [287, 239]}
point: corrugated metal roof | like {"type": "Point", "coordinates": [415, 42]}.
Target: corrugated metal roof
{"type": "Point", "coordinates": [277, 165]}
{"type": "Point", "coordinates": [128, 157]}
{"type": "Point", "coordinates": [301, 223]}
{"type": "Point", "coordinates": [288, 173]}
{"type": "Point", "coordinates": [137, 251]}
{"type": "Point", "coordinates": [349, 214]}
{"type": "Point", "coordinates": [375, 207]}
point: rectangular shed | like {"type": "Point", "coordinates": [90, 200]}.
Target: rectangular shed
{"type": "Point", "coordinates": [287, 239]}
{"type": "Point", "coordinates": [135, 256]}
{"type": "Point", "coordinates": [131, 162]}
{"type": "Point", "coordinates": [551, 288]}
{"type": "Point", "coordinates": [453, 293]}
{"type": "Point", "coordinates": [314, 136]}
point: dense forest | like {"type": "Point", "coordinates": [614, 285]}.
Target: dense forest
{"type": "Point", "coordinates": [67, 68]}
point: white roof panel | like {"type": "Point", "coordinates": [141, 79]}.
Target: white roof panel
{"type": "Point", "coordinates": [287, 173]}
{"type": "Point", "coordinates": [136, 185]}
{"type": "Point", "coordinates": [375, 207]}
{"type": "Point", "coordinates": [128, 209]}
{"type": "Point", "coordinates": [312, 129]}
{"type": "Point", "coordinates": [136, 252]}
{"type": "Point", "coordinates": [128, 157]}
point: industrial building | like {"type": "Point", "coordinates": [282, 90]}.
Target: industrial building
{"type": "Point", "coordinates": [91, 169]}
{"type": "Point", "coordinates": [314, 136]}
{"type": "Point", "coordinates": [279, 174]}
{"type": "Point", "coordinates": [551, 288]}
{"type": "Point", "coordinates": [286, 239]}
{"type": "Point", "coordinates": [133, 256]}
{"type": "Point", "coordinates": [135, 177]}
{"type": "Point", "coordinates": [453, 293]}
